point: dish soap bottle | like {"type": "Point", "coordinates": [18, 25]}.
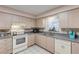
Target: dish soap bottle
{"type": "Point", "coordinates": [72, 35]}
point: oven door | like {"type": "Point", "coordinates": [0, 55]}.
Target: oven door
{"type": "Point", "coordinates": [19, 41]}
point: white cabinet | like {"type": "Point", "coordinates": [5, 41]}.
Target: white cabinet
{"type": "Point", "coordinates": [26, 23]}
{"type": "Point", "coordinates": [41, 23]}
{"type": "Point", "coordinates": [5, 21]}
{"type": "Point", "coordinates": [62, 47]}
{"type": "Point", "coordinates": [69, 19]}
{"type": "Point", "coordinates": [15, 19]}
{"type": "Point", "coordinates": [75, 48]}
{"type": "Point", "coordinates": [30, 23]}
{"type": "Point", "coordinates": [45, 42]}
{"type": "Point", "coordinates": [41, 40]}
{"type": "Point", "coordinates": [74, 18]}
{"type": "Point", "coordinates": [50, 44]}
{"type": "Point", "coordinates": [31, 39]}
{"type": "Point", "coordinates": [6, 46]}
{"type": "Point", "coordinates": [38, 39]}
{"type": "Point", "coordinates": [2, 46]}
{"type": "Point", "coordinates": [63, 19]}
{"type": "Point", "coordinates": [9, 45]}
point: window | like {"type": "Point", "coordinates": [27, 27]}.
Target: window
{"type": "Point", "coordinates": [53, 23]}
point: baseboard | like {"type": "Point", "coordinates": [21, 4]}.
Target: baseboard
{"type": "Point", "coordinates": [31, 45]}
{"type": "Point", "coordinates": [43, 48]}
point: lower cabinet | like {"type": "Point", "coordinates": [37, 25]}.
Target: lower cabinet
{"type": "Point", "coordinates": [9, 45]}
{"type": "Point", "coordinates": [51, 44]}
{"type": "Point", "coordinates": [75, 48]}
{"type": "Point", "coordinates": [62, 47]}
{"type": "Point", "coordinates": [31, 39]}
{"type": "Point", "coordinates": [6, 46]}
{"type": "Point", "coordinates": [2, 46]}
{"type": "Point", "coordinates": [38, 39]}
{"type": "Point", "coordinates": [45, 42]}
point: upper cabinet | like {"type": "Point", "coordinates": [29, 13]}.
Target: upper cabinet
{"type": "Point", "coordinates": [25, 22]}
{"type": "Point", "coordinates": [41, 23]}
{"type": "Point", "coordinates": [74, 18]}
{"type": "Point", "coordinates": [30, 23]}
{"type": "Point", "coordinates": [15, 19]}
{"type": "Point", "coordinates": [5, 21]}
{"type": "Point", "coordinates": [69, 19]}
{"type": "Point", "coordinates": [63, 20]}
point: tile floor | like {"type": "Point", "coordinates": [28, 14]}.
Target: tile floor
{"type": "Point", "coordinates": [34, 50]}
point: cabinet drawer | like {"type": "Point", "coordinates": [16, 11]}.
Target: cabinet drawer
{"type": "Point", "coordinates": [31, 39]}
{"type": "Point", "coordinates": [9, 43]}
{"type": "Point", "coordinates": [3, 51]}
{"type": "Point", "coordinates": [75, 48]}
{"type": "Point", "coordinates": [51, 45]}
{"type": "Point", "coordinates": [2, 43]}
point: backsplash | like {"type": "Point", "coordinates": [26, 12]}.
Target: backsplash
{"type": "Point", "coordinates": [73, 29]}
{"type": "Point", "coordinates": [68, 29]}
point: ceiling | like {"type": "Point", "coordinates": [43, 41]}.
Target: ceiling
{"type": "Point", "coordinates": [34, 9]}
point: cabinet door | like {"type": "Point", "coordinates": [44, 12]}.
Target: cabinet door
{"type": "Point", "coordinates": [31, 39]}
{"type": "Point", "coordinates": [9, 45]}
{"type": "Point", "coordinates": [38, 39]}
{"type": "Point", "coordinates": [62, 47]}
{"type": "Point", "coordinates": [43, 41]}
{"type": "Point", "coordinates": [75, 48]}
{"type": "Point", "coordinates": [50, 44]}
{"type": "Point", "coordinates": [29, 23]}
{"type": "Point", "coordinates": [40, 23]}
{"type": "Point", "coordinates": [74, 18]}
{"type": "Point", "coordinates": [63, 20]}
{"type": "Point", "coordinates": [5, 21]}
{"type": "Point", "coordinates": [15, 19]}
{"type": "Point", "coordinates": [3, 49]}
{"type": "Point", "coordinates": [6, 46]}
{"type": "Point", "coordinates": [46, 42]}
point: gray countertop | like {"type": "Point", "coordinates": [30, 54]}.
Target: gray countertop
{"type": "Point", "coordinates": [60, 36]}
{"type": "Point", "coordinates": [56, 35]}
{"type": "Point", "coordinates": [4, 37]}
{"type": "Point", "coordinates": [53, 35]}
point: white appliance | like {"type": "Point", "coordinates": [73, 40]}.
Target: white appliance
{"type": "Point", "coordinates": [19, 43]}
{"type": "Point", "coordinates": [19, 38]}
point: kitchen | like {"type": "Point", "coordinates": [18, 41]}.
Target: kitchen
{"type": "Point", "coordinates": [24, 29]}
